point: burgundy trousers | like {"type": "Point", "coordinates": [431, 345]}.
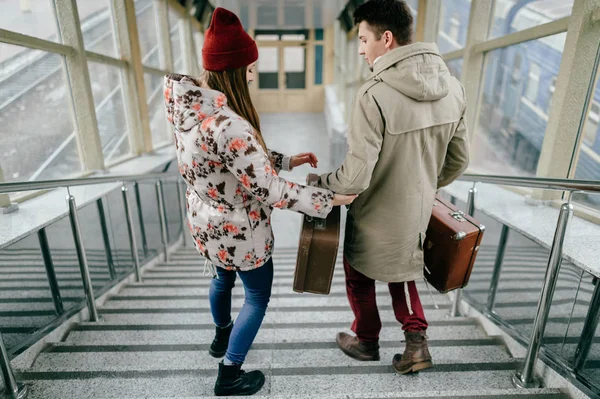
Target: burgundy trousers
{"type": "Point", "coordinates": [361, 295]}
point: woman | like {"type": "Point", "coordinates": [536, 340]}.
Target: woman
{"type": "Point", "coordinates": [233, 186]}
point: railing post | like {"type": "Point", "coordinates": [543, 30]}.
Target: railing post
{"type": "Point", "coordinates": [182, 206]}
{"type": "Point", "coordinates": [83, 265]}
{"type": "Point", "coordinates": [589, 330]}
{"type": "Point", "coordinates": [455, 311]}
{"type": "Point", "coordinates": [497, 268]}
{"type": "Point", "coordinates": [50, 272]}
{"type": "Point", "coordinates": [13, 389]}
{"type": "Point", "coordinates": [106, 239]}
{"type": "Point", "coordinates": [138, 200]}
{"type": "Point", "coordinates": [526, 378]}
{"type": "Point", "coordinates": [161, 217]}
{"type": "Point", "coordinates": [132, 243]}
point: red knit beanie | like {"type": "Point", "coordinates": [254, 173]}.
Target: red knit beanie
{"type": "Point", "coordinates": [226, 44]}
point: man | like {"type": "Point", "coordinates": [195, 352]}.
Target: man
{"type": "Point", "coordinates": [407, 138]}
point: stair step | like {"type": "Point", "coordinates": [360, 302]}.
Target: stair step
{"type": "Point", "coordinates": [261, 359]}
{"type": "Point", "coordinates": [314, 316]}
{"type": "Point", "coordinates": [264, 335]}
{"type": "Point", "coordinates": [194, 384]}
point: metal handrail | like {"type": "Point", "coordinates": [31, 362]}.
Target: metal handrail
{"type": "Point", "coordinates": [535, 182]}
{"type": "Point", "coordinates": [17, 390]}
{"type": "Point", "coordinates": [58, 183]}
{"type": "Point", "coordinates": [526, 378]}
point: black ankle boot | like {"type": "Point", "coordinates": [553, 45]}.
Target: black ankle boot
{"type": "Point", "coordinates": [233, 381]}
{"type": "Point", "coordinates": [221, 341]}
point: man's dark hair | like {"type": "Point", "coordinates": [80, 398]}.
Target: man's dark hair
{"type": "Point", "coordinates": [384, 15]}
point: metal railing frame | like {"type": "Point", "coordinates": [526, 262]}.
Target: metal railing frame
{"type": "Point", "coordinates": [526, 377]}
{"type": "Point", "coordinates": [15, 390]}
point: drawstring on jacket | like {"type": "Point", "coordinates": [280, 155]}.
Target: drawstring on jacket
{"type": "Point", "coordinates": [210, 270]}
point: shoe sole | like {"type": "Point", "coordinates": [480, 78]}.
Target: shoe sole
{"type": "Point", "coordinates": [415, 368]}
{"type": "Point", "coordinates": [249, 393]}
{"type": "Point", "coordinates": [349, 354]}
{"type": "Point", "coordinates": [216, 355]}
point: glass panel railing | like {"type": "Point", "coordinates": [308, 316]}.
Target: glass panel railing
{"type": "Point", "coordinates": [510, 275]}
{"type": "Point", "coordinates": [40, 276]}
{"type": "Point", "coordinates": [25, 300]}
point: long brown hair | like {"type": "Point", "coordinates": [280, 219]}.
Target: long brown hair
{"type": "Point", "coordinates": [233, 84]}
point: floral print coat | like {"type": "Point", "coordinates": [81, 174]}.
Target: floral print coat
{"type": "Point", "coordinates": [231, 185]}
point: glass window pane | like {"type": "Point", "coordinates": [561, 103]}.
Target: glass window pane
{"type": "Point", "coordinates": [452, 25]}
{"type": "Point", "coordinates": [266, 15]}
{"type": "Point", "coordinates": [36, 19]}
{"type": "Point", "coordinates": [37, 133]}
{"type": "Point", "coordinates": [156, 109]}
{"type": "Point", "coordinates": [588, 163]}
{"type": "Point", "coordinates": [198, 43]}
{"type": "Point", "coordinates": [245, 16]}
{"type": "Point", "coordinates": [267, 37]}
{"type": "Point", "coordinates": [319, 34]}
{"type": "Point", "coordinates": [414, 7]}
{"type": "Point", "coordinates": [176, 32]}
{"type": "Point", "coordinates": [97, 27]}
{"type": "Point", "coordinates": [107, 89]}
{"type": "Point", "coordinates": [293, 36]}
{"type": "Point", "coordinates": [513, 15]}
{"type": "Point", "coordinates": [319, 64]}
{"type": "Point", "coordinates": [294, 16]}
{"type": "Point", "coordinates": [318, 15]}
{"type": "Point", "coordinates": [145, 11]}
{"type": "Point", "coordinates": [455, 67]}
{"type": "Point", "coordinates": [512, 122]}
{"type": "Point", "coordinates": [268, 68]}
{"type": "Point", "coordinates": [295, 67]}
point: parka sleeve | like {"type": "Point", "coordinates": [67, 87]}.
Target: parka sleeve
{"type": "Point", "coordinates": [246, 159]}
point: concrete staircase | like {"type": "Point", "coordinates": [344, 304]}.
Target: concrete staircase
{"type": "Point", "coordinates": [153, 339]}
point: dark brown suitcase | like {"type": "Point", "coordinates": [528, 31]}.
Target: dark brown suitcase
{"type": "Point", "coordinates": [317, 253]}
{"type": "Point", "coordinates": [451, 245]}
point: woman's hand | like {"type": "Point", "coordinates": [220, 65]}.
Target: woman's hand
{"type": "Point", "coordinates": [339, 199]}
{"type": "Point", "coordinates": [301, 159]}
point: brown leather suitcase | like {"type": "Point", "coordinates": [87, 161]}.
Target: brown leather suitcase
{"type": "Point", "coordinates": [451, 245]}
{"type": "Point", "coordinates": [317, 253]}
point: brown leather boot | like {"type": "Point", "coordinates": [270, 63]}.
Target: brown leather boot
{"type": "Point", "coordinates": [351, 346]}
{"type": "Point", "coordinates": [416, 355]}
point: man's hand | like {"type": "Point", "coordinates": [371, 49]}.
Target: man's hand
{"type": "Point", "coordinates": [301, 159]}
{"type": "Point", "coordinates": [339, 199]}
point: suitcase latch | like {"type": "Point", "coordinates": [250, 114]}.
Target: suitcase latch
{"type": "Point", "coordinates": [320, 224]}
{"type": "Point", "coordinates": [458, 215]}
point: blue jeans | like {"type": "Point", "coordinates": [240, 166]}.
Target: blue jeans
{"type": "Point", "coordinates": [257, 288]}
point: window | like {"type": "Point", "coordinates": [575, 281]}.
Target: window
{"type": "Point", "coordinates": [454, 28]}
{"type": "Point", "coordinates": [511, 131]}
{"type": "Point", "coordinates": [97, 27]}
{"type": "Point", "coordinates": [145, 11]}
{"type": "Point", "coordinates": [294, 15]}
{"type": "Point", "coordinates": [319, 60]}
{"type": "Point", "coordinates": [533, 84]}
{"type": "Point", "coordinates": [156, 109]}
{"type": "Point", "coordinates": [450, 35]}
{"type": "Point", "coordinates": [294, 59]}
{"type": "Point", "coordinates": [512, 16]}
{"type": "Point", "coordinates": [36, 19]}
{"type": "Point", "coordinates": [107, 89]}
{"type": "Point", "coordinates": [177, 42]}
{"type": "Point", "coordinates": [455, 67]}
{"type": "Point", "coordinates": [592, 124]}
{"type": "Point", "coordinates": [37, 132]}
{"type": "Point", "coordinates": [268, 68]}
